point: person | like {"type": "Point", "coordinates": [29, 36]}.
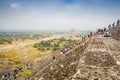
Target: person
{"type": "Point", "coordinates": [113, 25]}
{"type": "Point", "coordinates": [15, 71]}
{"type": "Point", "coordinates": [90, 33]}
{"type": "Point", "coordinates": [15, 75]}
{"type": "Point", "coordinates": [106, 34]}
{"type": "Point", "coordinates": [101, 31]}
{"type": "Point", "coordinates": [83, 37]}
{"type": "Point", "coordinates": [54, 57]}
{"type": "Point", "coordinates": [104, 29]}
{"type": "Point", "coordinates": [3, 77]}
{"type": "Point", "coordinates": [109, 27]}
{"type": "Point", "coordinates": [118, 22]}
{"type": "Point", "coordinates": [9, 76]}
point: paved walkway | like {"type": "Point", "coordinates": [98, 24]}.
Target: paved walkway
{"type": "Point", "coordinates": [100, 60]}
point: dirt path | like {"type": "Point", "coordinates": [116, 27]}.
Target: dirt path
{"type": "Point", "coordinates": [100, 60]}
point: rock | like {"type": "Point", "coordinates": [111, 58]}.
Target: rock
{"type": "Point", "coordinates": [41, 78]}
{"type": "Point", "coordinates": [118, 62]}
{"type": "Point", "coordinates": [62, 66]}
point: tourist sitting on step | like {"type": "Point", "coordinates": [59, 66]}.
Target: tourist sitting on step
{"type": "Point", "coordinates": [106, 34]}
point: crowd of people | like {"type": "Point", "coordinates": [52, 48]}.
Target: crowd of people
{"type": "Point", "coordinates": [14, 74]}
{"type": "Point", "coordinates": [106, 30]}
{"type": "Point", "coordinates": [63, 51]}
{"type": "Point", "coordinates": [10, 75]}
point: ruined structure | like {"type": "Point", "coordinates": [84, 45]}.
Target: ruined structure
{"type": "Point", "coordinates": [100, 60]}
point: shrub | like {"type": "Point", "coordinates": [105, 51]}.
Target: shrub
{"type": "Point", "coordinates": [26, 73]}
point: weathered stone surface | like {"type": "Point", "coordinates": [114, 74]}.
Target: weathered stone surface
{"type": "Point", "coordinates": [115, 33]}
{"type": "Point", "coordinates": [63, 68]}
{"type": "Point", "coordinates": [99, 61]}
{"type": "Point", "coordinates": [99, 64]}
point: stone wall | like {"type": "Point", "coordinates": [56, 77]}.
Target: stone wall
{"type": "Point", "coordinates": [115, 33]}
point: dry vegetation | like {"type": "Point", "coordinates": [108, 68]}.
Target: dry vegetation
{"type": "Point", "coordinates": [20, 53]}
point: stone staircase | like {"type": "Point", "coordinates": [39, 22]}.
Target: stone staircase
{"type": "Point", "coordinates": [100, 60]}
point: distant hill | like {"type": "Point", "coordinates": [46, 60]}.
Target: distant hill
{"type": "Point", "coordinates": [73, 32]}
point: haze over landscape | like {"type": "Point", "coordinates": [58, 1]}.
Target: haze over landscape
{"type": "Point", "coordinates": [59, 40]}
{"type": "Point", "coordinates": [57, 14]}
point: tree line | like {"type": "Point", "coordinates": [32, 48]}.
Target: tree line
{"type": "Point", "coordinates": [54, 44]}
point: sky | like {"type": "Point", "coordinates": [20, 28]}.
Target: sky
{"type": "Point", "coordinates": [58, 14]}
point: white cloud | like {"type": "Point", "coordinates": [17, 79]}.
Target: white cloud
{"type": "Point", "coordinates": [15, 5]}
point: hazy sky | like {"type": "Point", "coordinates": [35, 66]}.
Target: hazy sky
{"type": "Point", "coordinates": [57, 14]}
